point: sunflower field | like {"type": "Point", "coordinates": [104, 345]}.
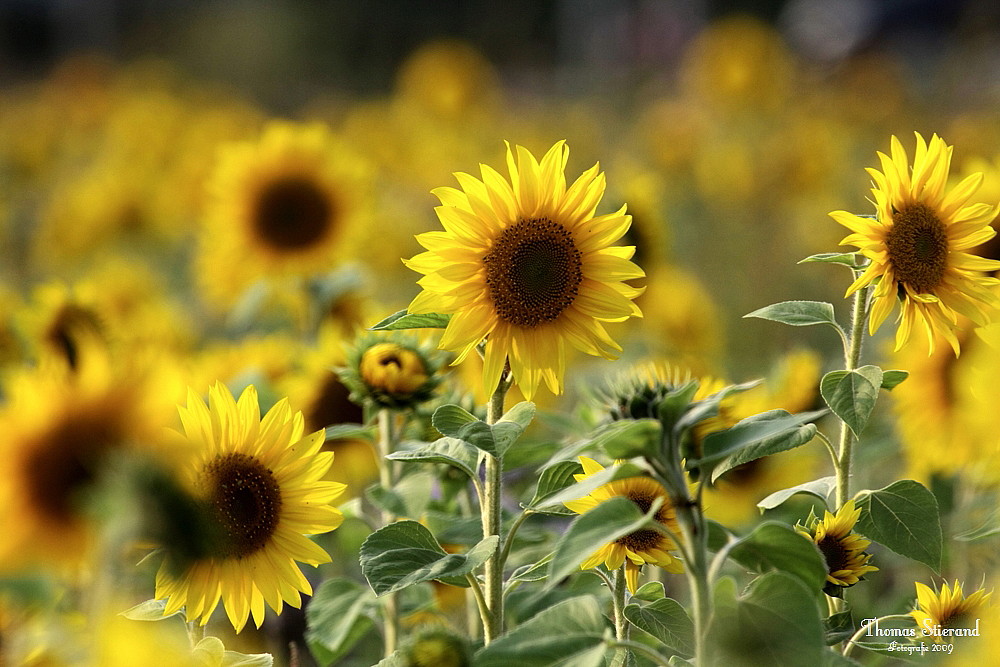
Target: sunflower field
{"type": "Point", "coordinates": [569, 334]}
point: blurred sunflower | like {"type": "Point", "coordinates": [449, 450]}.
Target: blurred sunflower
{"type": "Point", "coordinates": [641, 547]}
{"type": "Point", "coordinates": [528, 267]}
{"type": "Point", "coordinates": [260, 479]}
{"type": "Point", "coordinates": [949, 608]}
{"type": "Point", "coordinates": [916, 241]}
{"type": "Point", "coordinates": [843, 549]}
{"type": "Point", "coordinates": [289, 204]}
{"type": "Point", "coordinates": [62, 429]}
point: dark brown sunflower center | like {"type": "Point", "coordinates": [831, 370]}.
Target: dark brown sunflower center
{"type": "Point", "coordinates": [645, 538]}
{"type": "Point", "coordinates": [332, 405]}
{"type": "Point", "coordinates": [391, 360]}
{"type": "Point", "coordinates": [65, 463]}
{"type": "Point", "coordinates": [836, 556]}
{"type": "Point", "coordinates": [533, 272]}
{"type": "Point", "coordinates": [293, 214]}
{"type": "Point", "coordinates": [246, 502]}
{"type": "Point", "coordinates": [918, 247]}
{"type": "Point", "coordinates": [63, 333]}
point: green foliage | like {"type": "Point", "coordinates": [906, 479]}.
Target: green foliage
{"type": "Point", "coordinates": [403, 320]}
{"type": "Point", "coordinates": [762, 434]}
{"type": "Point", "coordinates": [348, 432]}
{"type": "Point", "coordinates": [848, 259]}
{"type": "Point", "coordinates": [903, 517]}
{"type": "Point", "coordinates": [150, 610]}
{"type": "Point", "coordinates": [450, 451]}
{"type": "Point", "coordinates": [496, 439]}
{"type": "Point", "coordinates": [776, 546]}
{"type": "Point", "coordinates": [821, 488]}
{"type": "Point", "coordinates": [775, 622]}
{"type": "Point", "coordinates": [628, 438]}
{"type": "Point", "coordinates": [585, 486]}
{"type": "Point", "coordinates": [338, 616]}
{"type": "Point", "coordinates": [798, 313]}
{"type": "Point", "coordinates": [890, 379]}
{"type": "Point", "coordinates": [554, 478]}
{"type": "Point", "coordinates": [405, 553]}
{"type": "Point", "coordinates": [852, 394]}
{"type": "Point", "coordinates": [569, 630]}
{"type": "Point", "coordinates": [666, 620]}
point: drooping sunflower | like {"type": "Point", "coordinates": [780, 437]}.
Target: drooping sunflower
{"type": "Point", "coordinates": [288, 204]}
{"type": "Point", "coordinates": [260, 480]}
{"type": "Point", "coordinates": [641, 547]}
{"type": "Point", "coordinates": [843, 549]}
{"type": "Point", "coordinates": [949, 608]}
{"type": "Point", "coordinates": [526, 265]}
{"type": "Point", "coordinates": [916, 241]}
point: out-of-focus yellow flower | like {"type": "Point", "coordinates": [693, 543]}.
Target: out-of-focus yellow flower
{"type": "Point", "coordinates": [448, 79]}
{"type": "Point", "coordinates": [62, 428]}
{"type": "Point", "coordinates": [737, 64]}
{"type": "Point", "coordinates": [392, 368]}
{"type": "Point", "coordinates": [287, 205]}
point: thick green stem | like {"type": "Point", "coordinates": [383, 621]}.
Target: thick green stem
{"type": "Point", "coordinates": [695, 535]}
{"type": "Point", "coordinates": [852, 358]}
{"type": "Point", "coordinates": [618, 609]}
{"type": "Point", "coordinates": [387, 478]}
{"type": "Point", "coordinates": [490, 507]}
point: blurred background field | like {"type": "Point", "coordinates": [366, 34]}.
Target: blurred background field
{"type": "Point", "coordinates": [133, 135]}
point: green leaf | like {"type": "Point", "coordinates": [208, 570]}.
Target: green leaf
{"type": "Point", "coordinates": [590, 531]}
{"type": "Point", "coordinates": [348, 432]}
{"type": "Point", "coordinates": [776, 622]}
{"type": "Point", "coordinates": [450, 451]}
{"type": "Point", "coordinates": [820, 488]}
{"type": "Point", "coordinates": [892, 378]}
{"type": "Point", "coordinates": [454, 421]}
{"type": "Point", "coordinates": [781, 442]}
{"type": "Point", "coordinates": [598, 479]}
{"type": "Point", "coordinates": [409, 497]}
{"type": "Point", "coordinates": [833, 658]}
{"type": "Point", "coordinates": [554, 478]}
{"type": "Point", "coordinates": [532, 572]}
{"type": "Point", "coordinates": [150, 610]}
{"type": "Point", "coordinates": [651, 591]}
{"type": "Point", "coordinates": [564, 630]}
{"type": "Point", "coordinates": [754, 431]}
{"type": "Point", "coordinates": [846, 258]}
{"type": "Point", "coordinates": [903, 517]}
{"type": "Point", "coordinates": [236, 659]}
{"type": "Point", "coordinates": [403, 320]}
{"type": "Point", "coordinates": [666, 620]}
{"type": "Point", "coordinates": [776, 546]}
{"type": "Point", "coordinates": [405, 553]}
{"type": "Point", "coordinates": [838, 627]}
{"type": "Point", "coordinates": [718, 535]}
{"type": "Point", "coordinates": [798, 313]}
{"type": "Point", "coordinates": [628, 438]}
{"type": "Point", "coordinates": [450, 419]}
{"type": "Point", "coordinates": [852, 394]}
{"type": "Point", "coordinates": [337, 617]}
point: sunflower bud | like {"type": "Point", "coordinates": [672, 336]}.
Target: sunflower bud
{"type": "Point", "coordinates": [437, 648]}
{"type": "Point", "coordinates": [391, 372]}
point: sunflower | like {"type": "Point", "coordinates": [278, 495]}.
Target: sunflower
{"type": "Point", "coordinates": [915, 244]}
{"type": "Point", "coordinates": [260, 480]}
{"type": "Point", "coordinates": [643, 546]}
{"type": "Point", "coordinates": [528, 267]}
{"type": "Point", "coordinates": [62, 429]}
{"type": "Point", "coordinates": [843, 550]}
{"type": "Point", "coordinates": [286, 205]}
{"type": "Point", "coordinates": [947, 609]}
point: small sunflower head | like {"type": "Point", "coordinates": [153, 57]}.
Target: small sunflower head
{"type": "Point", "coordinates": [393, 371]}
{"type": "Point", "coordinates": [437, 647]}
{"type": "Point", "coordinates": [948, 608]}
{"type": "Point", "coordinates": [637, 394]}
{"type": "Point", "coordinates": [842, 548]}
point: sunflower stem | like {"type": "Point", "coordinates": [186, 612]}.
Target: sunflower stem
{"type": "Point", "coordinates": [618, 607]}
{"type": "Point", "coordinates": [695, 534]}
{"type": "Point", "coordinates": [853, 641]}
{"type": "Point", "coordinates": [852, 358]}
{"type": "Point", "coordinates": [387, 435]}
{"type": "Point", "coordinates": [490, 507]}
